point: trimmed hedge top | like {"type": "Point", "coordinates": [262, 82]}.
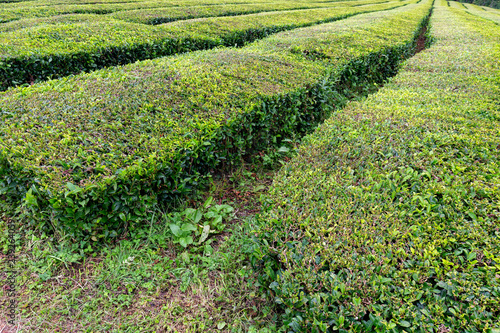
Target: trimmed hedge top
{"type": "Point", "coordinates": [490, 14]}
{"type": "Point", "coordinates": [170, 14]}
{"type": "Point", "coordinates": [155, 16]}
{"type": "Point", "coordinates": [387, 220]}
{"type": "Point", "coordinates": [94, 146]}
{"type": "Point", "coordinates": [40, 9]}
{"type": "Point", "coordinates": [29, 9]}
{"type": "Point", "coordinates": [489, 3]}
{"type": "Point", "coordinates": [60, 49]}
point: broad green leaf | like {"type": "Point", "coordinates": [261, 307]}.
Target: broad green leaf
{"type": "Point", "coordinates": [73, 189]}
{"type": "Point", "coordinates": [208, 202]}
{"type": "Point", "coordinates": [188, 227]}
{"type": "Point", "coordinates": [175, 229]}
{"type": "Point", "coordinates": [30, 198]}
{"type": "Point", "coordinates": [185, 241]}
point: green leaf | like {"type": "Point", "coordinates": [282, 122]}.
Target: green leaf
{"type": "Point", "coordinates": [185, 241]}
{"type": "Point", "coordinates": [471, 256]}
{"type": "Point", "coordinates": [404, 323]}
{"type": "Point", "coordinates": [188, 227]}
{"type": "Point", "coordinates": [208, 202]}
{"type": "Point", "coordinates": [210, 215]}
{"type": "Point", "coordinates": [73, 189]}
{"type": "Point", "coordinates": [217, 221]}
{"type": "Point", "coordinates": [175, 229]}
{"type": "Point", "coordinates": [472, 216]}
{"type": "Point", "coordinates": [194, 215]}
{"type": "Point", "coordinates": [30, 199]}
{"type": "Point", "coordinates": [341, 320]}
{"type": "Point", "coordinates": [198, 216]}
{"type": "Point", "coordinates": [258, 188]}
{"type": "Point", "coordinates": [225, 208]}
{"type": "Point", "coordinates": [221, 325]}
{"type": "Point", "coordinates": [208, 250]}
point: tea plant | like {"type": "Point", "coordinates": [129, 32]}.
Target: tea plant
{"type": "Point", "coordinates": [91, 165]}
{"type": "Point", "coordinates": [387, 218]}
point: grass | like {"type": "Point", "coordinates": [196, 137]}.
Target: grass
{"type": "Point", "coordinates": [383, 220]}
{"type": "Point", "coordinates": [144, 281]}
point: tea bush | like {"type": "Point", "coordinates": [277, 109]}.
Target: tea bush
{"type": "Point", "coordinates": [88, 155]}
{"type": "Point", "coordinates": [90, 43]}
{"type": "Point", "coordinates": [387, 220]}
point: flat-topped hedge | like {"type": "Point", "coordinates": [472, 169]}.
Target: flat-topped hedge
{"type": "Point", "coordinates": [387, 220]}
{"type": "Point", "coordinates": [481, 12]}
{"type": "Point", "coordinates": [154, 16]}
{"type": "Point", "coordinates": [40, 9]}
{"type": "Point", "coordinates": [88, 155]}
{"type": "Point", "coordinates": [169, 14]}
{"type": "Point", "coordinates": [49, 51]}
{"type": "Point", "coordinates": [489, 3]}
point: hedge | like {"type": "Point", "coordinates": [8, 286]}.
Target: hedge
{"type": "Point", "coordinates": [42, 52]}
{"type": "Point", "coordinates": [489, 3]}
{"type": "Point", "coordinates": [492, 15]}
{"type": "Point", "coordinates": [160, 15]}
{"type": "Point", "coordinates": [39, 9]}
{"type": "Point", "coordinates": [88, 155]}
{"type": "Point", "coordinates": [169, 14]}
{"type": "Point", "coordinates": [387, 220]}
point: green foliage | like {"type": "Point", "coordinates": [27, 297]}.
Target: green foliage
{"type": "Point", "coordinates": [170, 14]}
{"type": "Point", "coordinates": [489, 14]}
{"type": "Point", "coordinates": [63, 45]}
{"type": "Point", "coordinates": [62, 287]}
{"type": "Point", "coordinates": [32, 9]}
{"type": "Point", "coordinates": [199, 223]}
{"type": "Point", "coordinates": [489, 3]}
{"type": "Point", "coordinates": [99, 151]}
{"type": "Point", "coordinates": [387, 218]}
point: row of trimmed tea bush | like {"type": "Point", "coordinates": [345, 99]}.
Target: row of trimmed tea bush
{"type": "Point", "coordinates": [388, 218]}
{"type": "Point", "coordinates": [89, 155]}
{"type": "Point", "coordinates": [489, 3]}
{"type": "Point", "coordinates": [49, 51]}
{"type": "Point", "coordinates": [33, 9]}
{"type": "Point", "coordinates": [154, 16]}
{"type": "Point", "coordinates": [39, 9]}
{"type": "Point", "coordinates": [169, 14]}
{"type": "Point", "coordinates": [492, 15]}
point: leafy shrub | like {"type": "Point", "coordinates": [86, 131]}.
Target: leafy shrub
{"type": "Point", "coordinates": [489, 3]}
{"type": "Point", "coordinates": [490, 14]}
{"type": "Point", "coordinates": [170, 14]}
{"type": "Point", "coordinates": [87, 156]}
{"type": "Point", "coordinates": [387, 218]}
{"type": "Point", "coordinates": [86, 44]}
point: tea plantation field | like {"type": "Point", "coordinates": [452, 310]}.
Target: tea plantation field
{"type": "Point", "coordinates": [249, 166]}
